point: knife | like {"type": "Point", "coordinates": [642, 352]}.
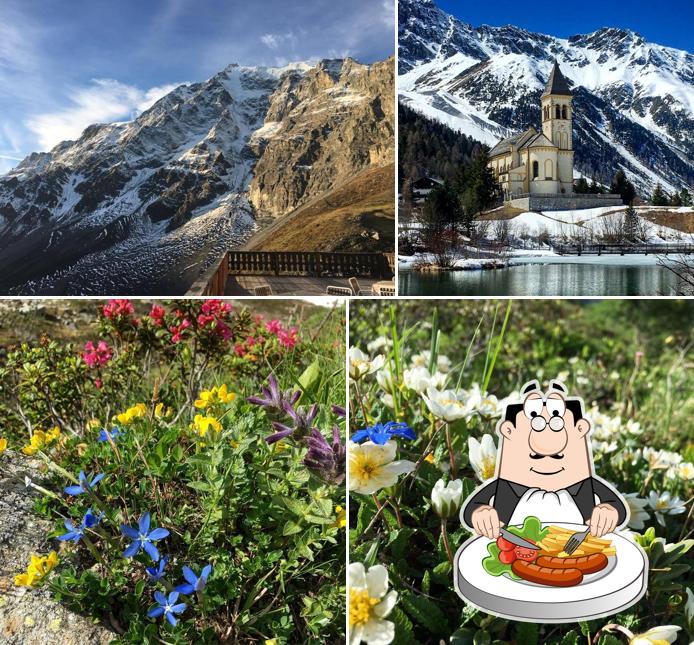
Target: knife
{"type": "Point", "coordinates": [518, 541]}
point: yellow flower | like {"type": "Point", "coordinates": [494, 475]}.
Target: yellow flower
{"type": "Point", "coordinates": [41, 440]}
{"type": "Point", "coordinates": [161, 411]}
{"type": "Point", "coordinates": [271, 641]}
{"type": "Point", "coordinates": [202, 424]}
{"type": "Point", "coordinates": [127, 417]}
{"type": "Point", "coordinates": [340, 517]}
{"type": "Point", "coordinates": [3, 445]}
{"type": "Point", "coordinates": [93, 424]}
{"type": "Point", "coordinates": [429, 458]}
{"type": "Point", "coordinates": [37, 570]}
{"type": "Point", "coordinates": [217, 395]}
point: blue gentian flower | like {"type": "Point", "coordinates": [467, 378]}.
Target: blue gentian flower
{"type": "Point", "coordinates": [167, 607]}
{"type": "Point", "coordinates": [157, 573]}
{"type": "Point", "coordinates": [76, 533]}
{"type": "Point", "coordinates": [84, 486]}
{"type": "Point", "coordinates": [194, 583]}
{"type": "Point", "coordinates": [143, 538]}
{"type": "Point", "coordinates": [104, 435]}
{"type": "Point", "coordinates": [381, 433]}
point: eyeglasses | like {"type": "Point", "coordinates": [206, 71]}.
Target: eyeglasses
{"type": "Point", "coordinates": [538, 423]}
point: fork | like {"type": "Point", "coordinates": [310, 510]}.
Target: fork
{"type": "Point", "coordinates": [575, 541]}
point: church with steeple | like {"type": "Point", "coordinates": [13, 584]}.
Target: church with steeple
{"type": "Point", "coordinates": [540, 163]}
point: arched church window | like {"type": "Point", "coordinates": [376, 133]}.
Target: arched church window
{"type": "Point", "coordinates": [536, 169]}
{"type": "Point", "coordinates": [548, 169]}
{"type": "Point", "coordinates": [563, 112]}
{"type": "Point", "coordinates": [558, 112]}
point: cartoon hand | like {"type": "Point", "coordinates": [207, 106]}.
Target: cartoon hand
{"type": "Point", "coordinates": [603, 520]}
{"type": "Point", "coordinates": [485, 521]}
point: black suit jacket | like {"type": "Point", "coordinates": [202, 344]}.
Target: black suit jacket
{"type": "Point", "coordinates": [507, 494]}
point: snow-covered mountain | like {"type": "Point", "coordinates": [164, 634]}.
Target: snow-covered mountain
{"type": "Point", "coordinates": [142, 207]}
{"type": "Point", "coordinates": [633, 100]}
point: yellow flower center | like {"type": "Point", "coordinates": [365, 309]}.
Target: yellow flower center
{"type": "Point", "coordinates": [360, 606]}
{"type": "Point", "coordinates": [488, 468]}
{"type": "Point", "coordinates": [364, 468]}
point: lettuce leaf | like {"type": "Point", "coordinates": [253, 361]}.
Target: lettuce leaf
{"type": "Point", "coordinates": [531, 530]}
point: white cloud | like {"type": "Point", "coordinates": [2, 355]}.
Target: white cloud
{"type": "Point", "coordinates": [105, 101]}
{"type": "Point", "coordinates": [275, 41]}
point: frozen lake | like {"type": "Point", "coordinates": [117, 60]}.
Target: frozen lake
{"type": "Point", "coordinates": [558, 276]}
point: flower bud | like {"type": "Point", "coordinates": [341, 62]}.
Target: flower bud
{"type": "Point", "coordinates": [446, 499]}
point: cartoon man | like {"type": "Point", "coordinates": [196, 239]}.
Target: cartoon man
{"type": "Point", "coordinates": [544, 469]}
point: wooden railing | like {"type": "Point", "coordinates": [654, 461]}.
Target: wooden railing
{"type": "Point", "coordinates": [379, 266]}
{"type": "Point", "coordinates": [623, 249]}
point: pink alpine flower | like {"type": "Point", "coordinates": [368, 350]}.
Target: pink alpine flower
{"type": "Point", "coordinates": [97, 356]}
{"type": "Point", "coordinates": [177, 331]}
{"type": "Point", "coordinates": [117, 307]}
{"type": "Point", "coordinates": [157, 315]}
{"type": "Point", "coordinates": [288, 338]}
{"type": "Point", "coordinates": [274, 327]}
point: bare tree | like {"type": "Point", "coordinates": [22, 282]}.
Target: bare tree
{"type": "Point", "coordinates": [682, 267]}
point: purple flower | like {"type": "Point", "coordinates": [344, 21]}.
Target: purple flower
{"type": "Point", "coordinates": [167, 607]}
{"type": "Point", "coordinates": [302, 419]}
{"type": "Point", "coordinates": [381, 433]}
{"type": "Point", "coordinates": [194, 584]}
{"type": "Point", "coordinates": [272, 398]}
{"type": "Point", "coordinates": [84, 486]}
{"type": "Point", "coordinates": [143, 538]}
{"type": "Point", "coordinates": [157, 573]}
{"type": "Point", "coordinates": [339, 411]}
{"type": "Point", "coordinates": [326, 460]}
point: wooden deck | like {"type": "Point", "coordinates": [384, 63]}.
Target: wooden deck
{"type": "Point", "coordinates": [287, 285]}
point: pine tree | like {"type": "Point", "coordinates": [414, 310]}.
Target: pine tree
{"type": "Point", "coordinates": [676, 200]}
{"type": "Point", "coordinates": [595, 188]}
{"type": "Point", "coordinates": [441, 209]}
{"type": "Point", "coordinates": [631, 223]}
{"type": "Point", "coordinates": [685, 197]}
{"type": "Point", "coordinates": [581, 186]}
{"type": "Point", "coordinates": [622, 186]}
{"type": "Point", "coordinates": [659, 196]}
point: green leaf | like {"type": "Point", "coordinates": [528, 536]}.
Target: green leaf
{"type": "Point", "coordinates": [317, 519]}
{"type": "Point", "coordinates": [139, 588]}
{"type": "Point", "coordinates": [403, 627]}
{"type": "Point", "coordinates": [426, 612]}
{"type": "Point", "coordinates": [295, 506]}
{"type": "Point", "coordinates": [571, 638]}
{"type": "Point", "coordinates": [310, 378]}
{"type": "Point", "coordinates": [464, 636]}
{"type": "Point", "coordinates": [203, 487]}
{"type": "Point", "coordinates": [481, 637]}
{"type": "Point", "coordinates": [290, 528]}
{"type": "Point", "coordinates": [527, 633]}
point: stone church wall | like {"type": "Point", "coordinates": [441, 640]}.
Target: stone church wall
{"type": "Point", "coordinates": [565, 202]}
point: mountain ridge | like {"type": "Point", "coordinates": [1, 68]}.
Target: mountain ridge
{"type": "Point", "coordinates": [132, 206]}
{"type": "Point", "coordinates": [634, 103]}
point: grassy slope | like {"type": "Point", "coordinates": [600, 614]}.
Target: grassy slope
{"type": "Point", "coordinates": [335, 221]}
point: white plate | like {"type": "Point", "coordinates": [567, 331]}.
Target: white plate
{"type": "Point", "coordinates": [606, 592]}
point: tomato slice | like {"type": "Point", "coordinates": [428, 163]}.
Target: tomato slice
{"type": "Point", "coordinates": [506, 557]}
{"type": "Point", "coordinates": [504, 544]}
{"type": "Point", "coordinates": [525, 554]}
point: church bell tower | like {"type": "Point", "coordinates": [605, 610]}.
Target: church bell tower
{"type": "Point", "coordinates": [557, 112]}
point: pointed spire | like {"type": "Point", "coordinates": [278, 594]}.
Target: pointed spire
{"type": "Point", "coordinates": [557, 83]}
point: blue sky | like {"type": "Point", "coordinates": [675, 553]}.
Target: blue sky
{"type": "Point", "coordinates": [65, 64]}
{"type": "Point", "coordinates": [666, 22]}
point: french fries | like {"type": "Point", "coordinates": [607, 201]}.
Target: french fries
{"type": "Point", "coordinates": [554, 542]}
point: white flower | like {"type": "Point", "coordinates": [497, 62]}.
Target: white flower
{"type": "Point", "coordinates": [443, 363]}
{"type": "Point", "coordinates": [385, 380]}
{"type": "Point", "coordinates": [604, 447]}
{"type": "Point", "coordinates": [573, 360]}
{"type": "Point", "coordinates": [685, 471]}
{"type": "Point", "coordinates": [419, 379]}
{"type": "Point", "coordinates": [482, 456]}
{"type": "Point", "coordinates": [637, 514]}
{"type": "Point", "coordinates": [634, 427]}
{"type": "Point", "coordinates": [614, 376]}
{"type": "Point", "coordinates": [373, 467]}
{"type": "Point", "coordinates": [689, 607]}
{"type": "Point", "coordinates": [369, 603]}
{"type": "Point", "coordinates": [387, 400]}
{"type": "Point", "coordinates": [447, 404]}
{"type": "Point", "coordinates": [656, 636]}
{"type": "Point", "coordinates": [582, 380]}
{"type": "Point", "coordinates": [446, 499]}
{"type": "Point", "coordinates": [563, 376]}
{"type": "Point", "coordinates": [663, 505]}
{"type": "Point", "coordinates": [379, 343]}
{"type": "Point", "coordinates": [361, 365]}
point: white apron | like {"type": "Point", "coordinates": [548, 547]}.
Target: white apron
{"type": "Point", "coordinates": [547, 506]}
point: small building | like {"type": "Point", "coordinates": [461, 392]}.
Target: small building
{"type": "Point", "coordinates": [423, 186]}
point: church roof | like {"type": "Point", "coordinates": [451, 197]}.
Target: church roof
{"type": "Point", "coordinates": [557, 83]}
{"type": "Point", "coordinates": [517, 140]}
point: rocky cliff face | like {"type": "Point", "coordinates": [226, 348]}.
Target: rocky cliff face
{"type": "Point", "coordinates": [142, 207]}
{"type": "Point", "coordinates": [322, 129]}
{"type": "Point", "coordinates": [633, 104]}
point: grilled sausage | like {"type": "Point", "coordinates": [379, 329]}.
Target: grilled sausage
{"type": "Point", "coordinates": [585, 563]}
{"type": "Point", "coordinates": [545, 575]}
